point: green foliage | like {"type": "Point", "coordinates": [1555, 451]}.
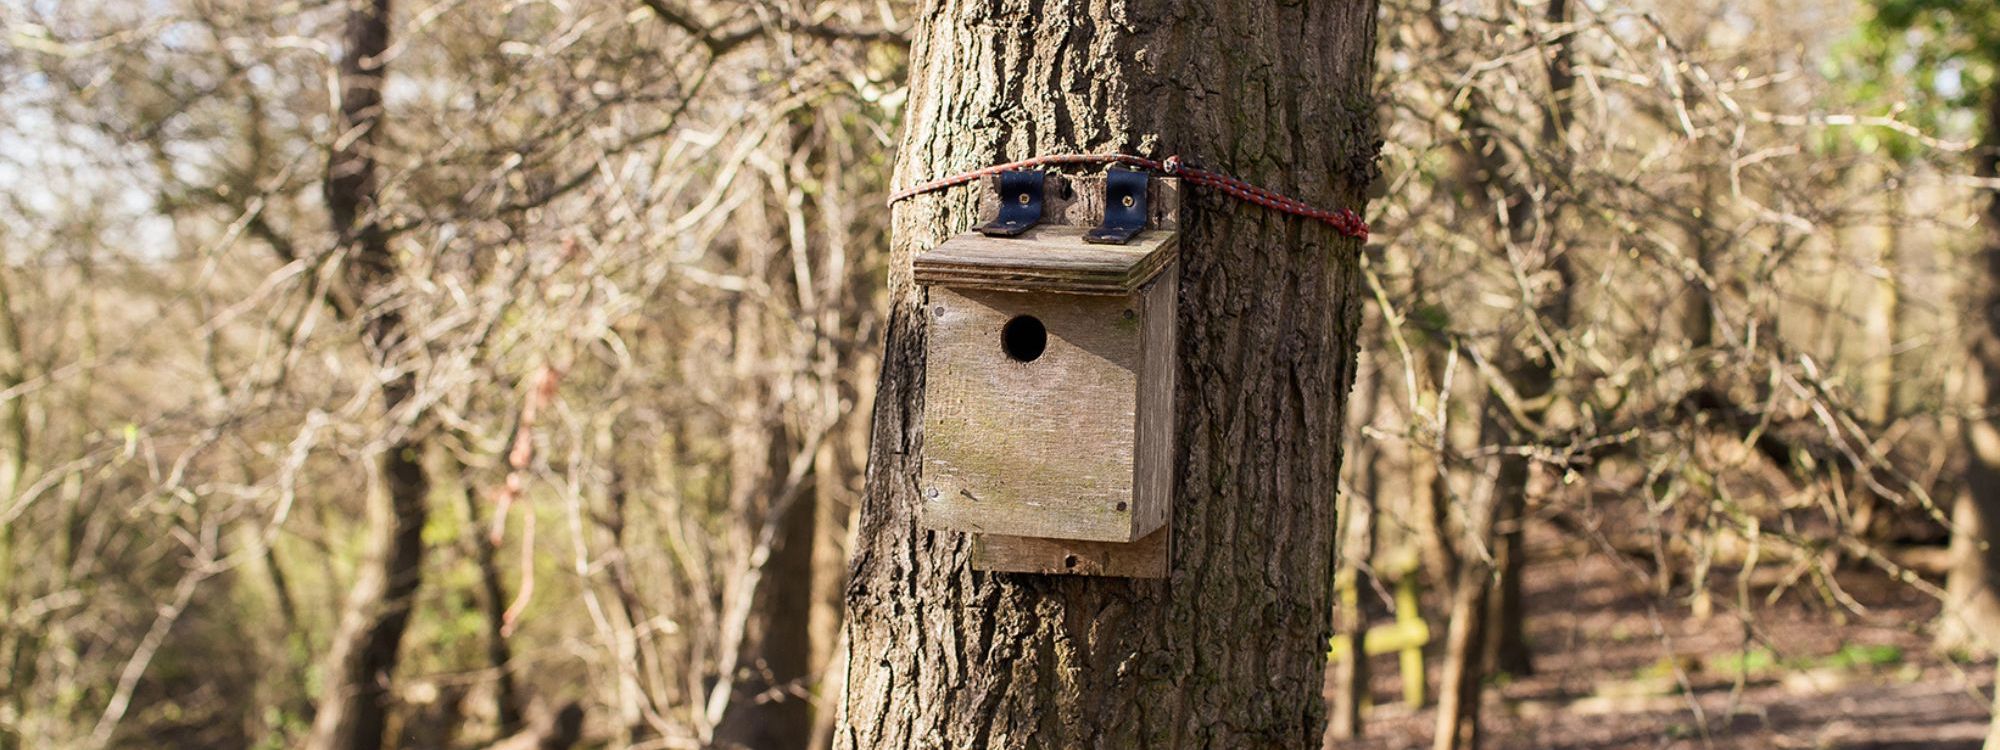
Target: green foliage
{"type": "Point", "coordinates": [1753, 661]}
{"type": "Point", "coordinates": [1852, 656]}
{"type": "Point", "coordinates": [1974, 23]}
{"type": "Point", "coordinates": [1762, 662]}
{"type": "Point", "coordinates": [1929, 63]}
{"type": "Point", "coordinates": [282, 726]}
{"type": "Point", "coordinates": [1429, 321]}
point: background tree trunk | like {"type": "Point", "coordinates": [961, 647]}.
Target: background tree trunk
{"type": "Point", "coordinates": [769, 709]}
{"type": "Point", "coordinates": [1534, 378]}
{"type": "Point", "coordinates": [493, 601]}
{"type": "Point", "coordinates": [1430, 478]}
{"type": "Point", "coordinates": [1971, 619]}
{"type": "Point", "coordinates": [1230, 651]}
{"type": "Point", "coordinates": [1462, 678]}
{"type": "Point", "coordinates": [361, 665]}
{"type": "Point", "coordinates": [1358, 605]}
{"type": "Point", "coordinates": [15, 647]}
{"type": "Point", "coordinates": [767, 706]}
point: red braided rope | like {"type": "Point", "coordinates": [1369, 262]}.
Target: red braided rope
{"type": "Point", "coordinates": [1345, 221]}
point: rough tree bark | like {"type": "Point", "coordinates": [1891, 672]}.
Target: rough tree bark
{"type": "Point", "coordinates": [1971, 619]}
{"type": "Point", "coordinates": [1230, 650]}
{"type": "Point", "coordinates": [360, 667]}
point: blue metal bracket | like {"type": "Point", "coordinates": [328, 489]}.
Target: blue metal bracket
{"type": "Point", "coordinates": [1124, 208]}
{"type": "Point", "coordinates": [1020, 203]}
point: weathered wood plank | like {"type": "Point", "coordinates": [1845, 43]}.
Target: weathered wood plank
{"type": "Point", "coordinates": [1146, 558]}
{"type": "Point", "coordinates": [1153, 466]}
{"type": "Point", "coordinates": [1047, 259]}
{"type": "Point", "coordinates": [1041, 448]}
{"type": "Point", "coordinates": [1154, 472]}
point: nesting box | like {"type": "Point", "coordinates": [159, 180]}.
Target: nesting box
{"type": "Point", "coordinates": [1048, 401]}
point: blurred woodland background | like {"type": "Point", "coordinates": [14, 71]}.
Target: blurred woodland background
{"type": "Point", "coordinates": [1671, 426]}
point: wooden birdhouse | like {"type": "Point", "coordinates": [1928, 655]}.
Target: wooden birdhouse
{"type": "Point", "coordinates": [1049, 393]}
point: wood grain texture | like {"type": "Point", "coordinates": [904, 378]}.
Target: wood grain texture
{"type": "Point", "coordinates": [1153, 455]}
{"type": "Point", "coordinates": [1153, 471]}
{"type": "Point", "coordinates": [1229, 650]}
{"type": "Point", "coordinates": [1047, 258]}
{"type": "Point", "coordinates": [1041, 448]}
{"type": "Point", "coordinates": [1146, 558]}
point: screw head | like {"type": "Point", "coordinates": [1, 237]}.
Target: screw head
{"type": "Point", "coordinates": [1128, 201]}
{"type": "Point", "coordinates": [1023, 200]}
{"type": "Point", "coordinates": [931, 493]}
{"type": "Point", "coordinates": [938, 311]}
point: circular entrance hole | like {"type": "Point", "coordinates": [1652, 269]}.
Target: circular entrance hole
{"type": "Point", "coordinates": [1024, 338]}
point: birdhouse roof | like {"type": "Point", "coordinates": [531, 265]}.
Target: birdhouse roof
{"type": "Point", "coordinates": [1048, 259]}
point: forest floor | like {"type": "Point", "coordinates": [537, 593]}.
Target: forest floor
{"type": "Point", "coordinates": [1617, 667]}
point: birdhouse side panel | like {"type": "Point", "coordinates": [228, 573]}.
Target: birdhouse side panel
{"type": "Point", "coordinates": [1153, 490]}
{"type": "Point", "coordinates": [1025, 441]}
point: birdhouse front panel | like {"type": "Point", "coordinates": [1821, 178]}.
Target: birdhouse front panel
{"type": "Point", "coordinates": [1047, 414]}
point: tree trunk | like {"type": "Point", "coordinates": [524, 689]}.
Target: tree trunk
{"type": "Point", "coordinates": [1351, 676]}
{"type": "Point", "coordinates": [493, 601]}
{"type": "Point", "coordinates": [1882, 322]}
{"type": "Point", "coordinates": [1357, 606]}
{"type": "Point", "coordinates": [1532, 377]}
{"type": "Point", "coordinates": [769, 709]}
{"type": "Point", "coordinates": [1971, 619]}
{"type": "Point", "coordinates": [1461, 678]}
{"type": "Point", "coordinates": [766, 705]}
{"type": "Point", "coordinates": [834, 472]}
{"type": "Point", "coordinates": [1886, 314]}
{"type": "Point", "coordinates": [360, 668]}
{"type": "Point", "coordinates": [15, 649]}
{"type": "Point", "coordinates": [1430, 478]}
{"type": "Point", "coordinates": [1972, 607]}
{"type": "Point", "coordinates": [1467, 640]}
{"type": "Point", "coordinates": [1506, 638]}
{"type": "Point", "coordinates": [361, 665]}
{"type": "Point", "coordinates": [632, 648]}
{"type": "Point", "coordinates": [1230, 651]}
